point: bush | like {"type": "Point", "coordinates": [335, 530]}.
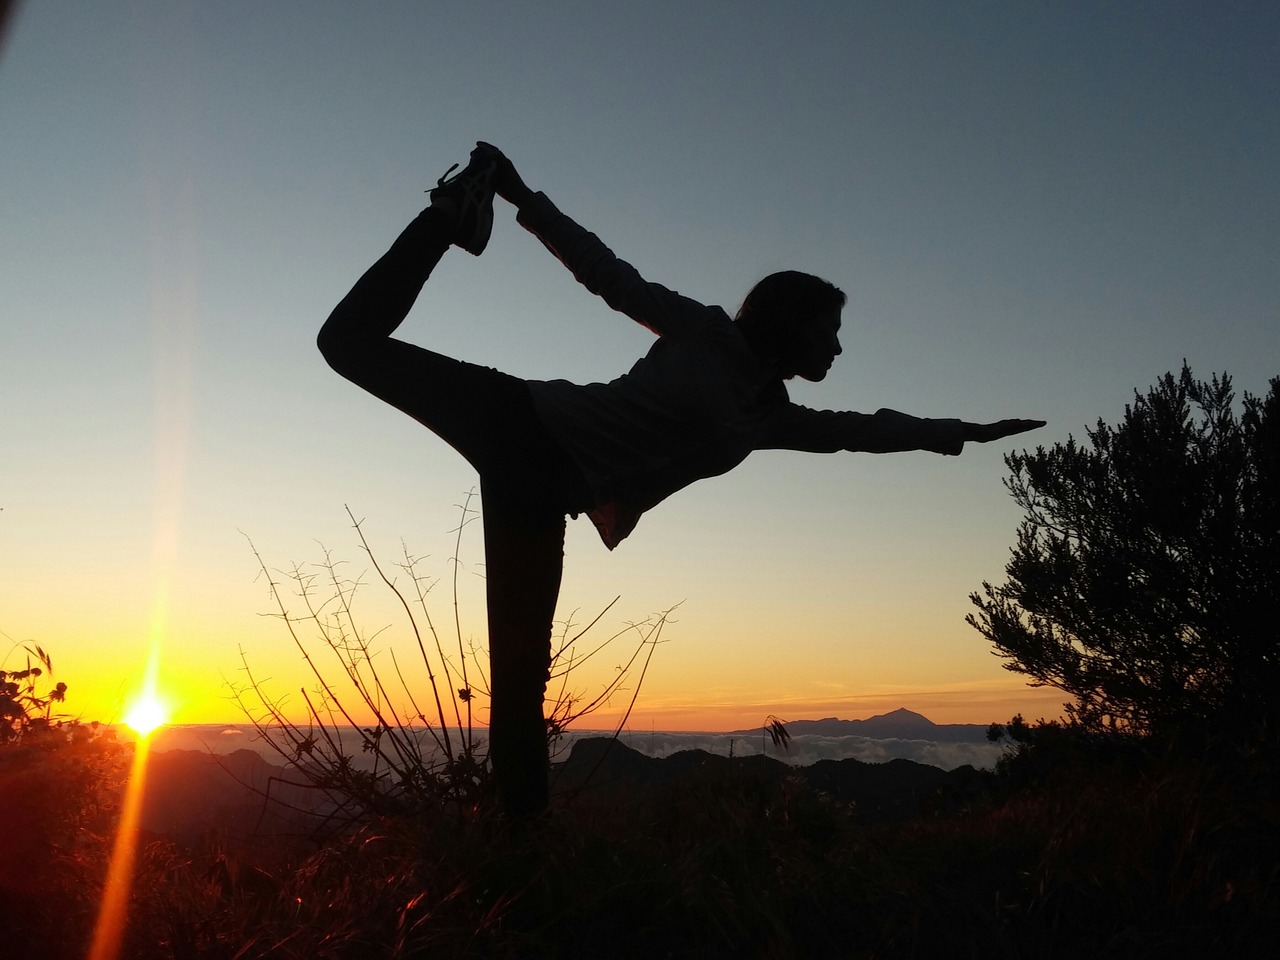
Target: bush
{"type": "Point", "coordinates": [1145, 581]}
{"type": "Point", "coordinates": [60, 787]}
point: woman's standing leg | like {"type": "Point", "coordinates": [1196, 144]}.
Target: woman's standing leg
{"type": "Point", "coordinates": [524, 557]}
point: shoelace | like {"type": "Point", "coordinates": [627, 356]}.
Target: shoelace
{"type": "Point", "coordinates": [443, 178]}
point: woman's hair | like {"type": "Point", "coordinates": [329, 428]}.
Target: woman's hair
{"type": "Point", "coordinates": [780, 300]}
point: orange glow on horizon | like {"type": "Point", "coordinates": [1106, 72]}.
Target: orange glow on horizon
{"type": "Point", "coordinates": [980, 705]}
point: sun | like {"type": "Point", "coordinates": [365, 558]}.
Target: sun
{"type": "Point", "coordinates": [146, 714]}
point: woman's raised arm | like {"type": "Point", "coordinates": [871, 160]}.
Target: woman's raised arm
{"type": "Point", "coordinates": [592, 263]}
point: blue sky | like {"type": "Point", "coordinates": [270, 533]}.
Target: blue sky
{"type": "Point", "coordinates": [1034, 208]}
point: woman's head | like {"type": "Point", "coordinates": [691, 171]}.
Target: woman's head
{"type": "Point", "coordinates": [793, 319]}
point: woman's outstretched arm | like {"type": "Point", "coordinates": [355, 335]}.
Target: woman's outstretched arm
{"type": "Point", "coordinates": [885, 431]}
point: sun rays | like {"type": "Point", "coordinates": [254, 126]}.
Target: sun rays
{"type": "Point", "coordinates": [174, 311]}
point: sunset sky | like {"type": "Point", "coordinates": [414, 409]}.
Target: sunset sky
{"type": "Point", "coordinates": [1034, 209]}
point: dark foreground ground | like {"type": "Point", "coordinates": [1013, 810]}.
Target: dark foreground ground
{"type": "Point", "coordinates": [1120, 855]}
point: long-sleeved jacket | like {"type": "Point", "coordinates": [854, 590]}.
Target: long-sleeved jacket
{"type": "Point", "coordinates": [696, 405]}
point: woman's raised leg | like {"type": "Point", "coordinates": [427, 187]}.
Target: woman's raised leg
{"type": "Point", "coordinates": [356, 339]}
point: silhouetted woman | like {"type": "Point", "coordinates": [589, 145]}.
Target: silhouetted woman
{"type": "Point", "coordinates": [708, 392]}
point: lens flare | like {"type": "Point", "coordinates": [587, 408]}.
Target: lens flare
{"type": "Point", "coordinates": [174, 311]}
{"type": "Point", "coordinates": [144, 716]}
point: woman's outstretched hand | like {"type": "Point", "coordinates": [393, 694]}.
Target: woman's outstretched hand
{"type": "Point", "coordinates": [986, 432]}
{"type": "Point", "coordinates": [506, 181]}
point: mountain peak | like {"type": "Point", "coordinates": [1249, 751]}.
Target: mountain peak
{"type": "Point", "coordinates": [903, 715]}
{"type": "Point", "coordinates": [900, 724]}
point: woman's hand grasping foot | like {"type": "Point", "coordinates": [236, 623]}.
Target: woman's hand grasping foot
{"type": "Point", "coordinates": [986, 432]}
{"type": "Point", "coordinates": [506, 181]}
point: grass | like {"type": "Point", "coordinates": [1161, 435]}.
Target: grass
{"type": "Point", "coordinates": [1167, 857]}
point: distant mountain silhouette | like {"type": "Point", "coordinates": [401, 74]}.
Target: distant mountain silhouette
{"type": "Point", "coordinates": [190, 792]}
{"type": "Point", "coordinates": [879, 792]}
{"type": "Point", "coordinates": [898, 724]}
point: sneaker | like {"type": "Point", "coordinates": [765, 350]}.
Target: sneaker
{"type": "Point", "coordinates": [471, 193]}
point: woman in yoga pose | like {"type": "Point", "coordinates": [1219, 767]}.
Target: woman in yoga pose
{"type": "Point", "coordinates": [709, 391]}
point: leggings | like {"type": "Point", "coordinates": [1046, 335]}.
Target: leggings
{"type": "Point", "coordinates": [527, 486]}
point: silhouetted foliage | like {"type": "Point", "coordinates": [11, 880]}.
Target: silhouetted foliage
{"type": "Point", "coordinates": [60, 785]}
{"type": "Point", "coordinates": [24, 710]}
{"type": "Point", "coordinates": [1145, 581]}
{"type": "Point", "coordinates": [1047, 750]}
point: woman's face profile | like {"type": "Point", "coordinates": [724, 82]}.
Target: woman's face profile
{"type": "Point", "coordinates": [814, 346]}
